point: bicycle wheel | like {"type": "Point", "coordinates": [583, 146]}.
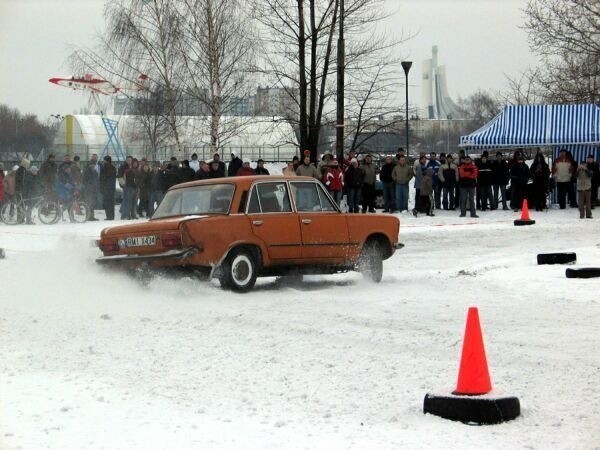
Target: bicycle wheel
{"type": "Point", "coordinates": [12, 213]}
{"type": "Point", "coordinates": [78, 211]}
{"type": "Point", "coordinates": [48, 212]}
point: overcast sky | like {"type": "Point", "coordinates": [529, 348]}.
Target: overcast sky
{"type": "Point", "coordinates": [478, 40]}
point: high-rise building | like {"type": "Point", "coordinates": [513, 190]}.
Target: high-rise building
{"type": "Point", "coordinates": [435, 101]}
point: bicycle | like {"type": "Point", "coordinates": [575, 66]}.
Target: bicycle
{"type": "Point", "coordinates": [18, 210]}
{"type": "Point", "coordinates": [78, 210]}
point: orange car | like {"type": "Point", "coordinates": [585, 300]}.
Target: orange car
{"type": "Point", "coordinates": [236, 229]}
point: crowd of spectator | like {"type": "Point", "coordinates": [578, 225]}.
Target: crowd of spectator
{"type": "Point", "coordinates": [444, 183]}
{"type": "Point", "coordinates": [456, 182]}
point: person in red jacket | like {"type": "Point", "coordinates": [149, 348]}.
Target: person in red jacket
{"type": "Point", "coordinates": [333, 179]}
{"type": "Point", "coordinates": [467, 180]}
{"type": "Point", "coordinates": [245, 170]}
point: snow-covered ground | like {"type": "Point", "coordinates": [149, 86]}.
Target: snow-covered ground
{"type": "Point", "coordinates": [92, 359]}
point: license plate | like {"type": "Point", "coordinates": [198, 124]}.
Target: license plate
{"type": "Point", "coordinates": [137, 241]}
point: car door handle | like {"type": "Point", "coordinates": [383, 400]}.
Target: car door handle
{"type": "Point", "coordinates": [306, 221]}
{"type": "Point", "coordinates": [258, 223]}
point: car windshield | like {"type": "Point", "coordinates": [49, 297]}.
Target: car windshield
{"type": "Point", "coordinates": [207, 199]}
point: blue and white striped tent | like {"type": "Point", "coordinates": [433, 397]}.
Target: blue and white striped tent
{"type": "Point", "coordinates": [573, 127]}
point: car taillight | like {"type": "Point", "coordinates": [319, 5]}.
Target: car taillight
{"type": "Point", "coordinates": [109, 245]}
{"type": "Point", "coordinates": [171, 239]}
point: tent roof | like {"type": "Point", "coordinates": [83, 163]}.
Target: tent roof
{"type": "Point", "coordinates": [538, 125]}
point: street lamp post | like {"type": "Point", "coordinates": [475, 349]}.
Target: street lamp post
{"type": "Point", "coordinates": [341, 56]}
{"type": "Point", "coordinates": [406, 65]}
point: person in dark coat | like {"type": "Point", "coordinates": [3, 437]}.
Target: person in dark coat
{"type": "Point", "coordinates": [157, 187]}
{"type": "Point", "coordinates": [90, 184]}
{"type": "Point", "coordinates": [595, 168]}
{"type": "Point", "coordinates": [519, 177]}
{"type": "Point", "coordinates": [485, 180]}
{"type": "Point", "coordinates": [186, 173]}
{"type": "Point", "coordinates": [385, 176]}
{"type": "Point", "coordinates": [540, 173]}
{"type": "Point", "coordinates": [234, 165]}
{"type": "Point", "coordinates": [500, 176]}
{"type": "Point", "coordinates": [21, 178]}
{"type": "Point", "coordinates": [143, 181]}
{"type": "Point", "coordinates": [426, 192]}
{"type": "Point", "coordinates": [217, 167]}
{"type": "Point", "coordinates": [355, 177]}
{"type": "Point", "coordinates": [48, 173]}
{"type": "Point", "coordinates": [204, 171]}
{"type": "Point", "coordinates": [126, 172]}
{"type": "Point", "coordinates": [448, 175]}
{"type": "Point", "coordinates": [107, 181]}
{"type": "Point", "coordinates": [260, 168]}
{"type": "Point", "coordinates": [171, 177]}
{"type": "Point", "coordinates": [573, 185]}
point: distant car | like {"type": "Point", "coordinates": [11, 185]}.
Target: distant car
{"type": "Point", "coordinates": [236, 229]}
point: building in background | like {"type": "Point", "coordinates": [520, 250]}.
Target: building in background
{"type": "Point", "coordinates": [435, 100]}
{"type": "Point", "coordinates": [274, 102]}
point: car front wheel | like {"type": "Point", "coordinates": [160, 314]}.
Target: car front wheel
{"type": "Point", "coordinates": [370, 263]}
{"type": "Point", "coordinates": [239, 271]}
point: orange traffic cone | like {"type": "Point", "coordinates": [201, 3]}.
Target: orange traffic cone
{"type": "Point", "coordinates": [525, 219]}
{"type": "Point", "coordinates": [467, 404]}
{"type": "Point", "coordinates": [473, 375]}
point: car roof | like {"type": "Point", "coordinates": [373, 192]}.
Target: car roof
{"type": "Point", "coordinates": [242, 182]}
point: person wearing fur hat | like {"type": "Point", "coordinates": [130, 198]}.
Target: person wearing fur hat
{"type": "Point", "coordinates": [245, 170]}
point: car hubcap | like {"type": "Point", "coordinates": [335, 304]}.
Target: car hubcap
{"type": "Point", "coordinates": [241, 270]}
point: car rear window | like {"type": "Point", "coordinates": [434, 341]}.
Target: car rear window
{"type": "Point", "coordinates": [206, 199]}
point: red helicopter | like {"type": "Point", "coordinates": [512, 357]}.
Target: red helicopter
{"type": "Point", "coordinates": [96, 85]}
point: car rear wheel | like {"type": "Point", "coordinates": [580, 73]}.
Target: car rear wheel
{"type": "Point", "coordinates": [239, 271]}
{"type": "Point", "coordinates": [370, 262]}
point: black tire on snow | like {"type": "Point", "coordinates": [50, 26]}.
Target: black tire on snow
{"type": "Point", "coordinates": [588, 272]}
{"type": "Point", "coordinates": [370, 262]}
{"type": "Point", "coordinates": [240, 270]}
{"type": "Point", "coordinates": [556, 258]}
{"type": "Point", "coordinates": [472, 409]}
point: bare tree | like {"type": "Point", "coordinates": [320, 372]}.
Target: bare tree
{"type": "Point", "coordinates": [217, 51]}
{"type": "Point", "coordinates": [300, 52]}
{"type": "Point", "coordinates": [141, 38]}
{"type": "Point", "coordinates": [22, 135]}
{"type": "Point", "coordinates": [566, 34]}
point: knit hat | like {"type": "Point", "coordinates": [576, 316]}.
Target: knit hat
{"type": "Point", "coordinates": [247, 161]}
{"type": "Point", "coordinates": [25, 163]}
{"type": "Point", "coordinates": [34, 169]}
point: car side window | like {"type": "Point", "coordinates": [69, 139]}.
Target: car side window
{"type": "Point", "coordinates": [269, 198]}
{"type": "Point", "coordinates": [253, 205]}
{"type": "Point", "coordinates": [326, 204]}
{"type": "Point", "coordinates": [273, 197]}
{"type": "Point", "coordinates": [307, 196]}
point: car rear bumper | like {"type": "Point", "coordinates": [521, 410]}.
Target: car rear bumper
{"type": "Point", "coordinates": [179, 253]}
